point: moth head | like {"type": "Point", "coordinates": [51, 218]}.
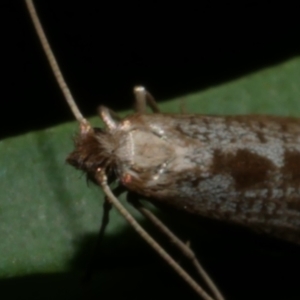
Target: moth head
{"type": "Point", "coordinates": [93, 150]}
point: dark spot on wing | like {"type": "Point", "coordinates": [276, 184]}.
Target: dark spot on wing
{"type": "Point", "coordinates": [247, 168]}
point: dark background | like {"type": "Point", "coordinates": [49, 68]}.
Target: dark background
{"type": "Point", "coordinates": [105, 49]}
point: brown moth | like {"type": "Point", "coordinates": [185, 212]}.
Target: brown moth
{"type": "Point", "coordinates": [237, 169]}
{"type": "Point", "coordinates": [241, 169]}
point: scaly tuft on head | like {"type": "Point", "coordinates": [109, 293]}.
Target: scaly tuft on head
{"type": "Point", "coordinates": [93, 150]}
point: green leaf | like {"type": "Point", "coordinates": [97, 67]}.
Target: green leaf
{"type": "Point", "coordinates": [50, 217]}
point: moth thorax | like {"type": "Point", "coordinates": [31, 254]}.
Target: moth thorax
{"type": "Point", "coordinates": [143, 150]}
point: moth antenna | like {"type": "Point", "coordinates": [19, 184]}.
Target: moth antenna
{"type": "Point", "coordinates": [185, 249]}
{"type": "Point", "coordinates": [143, 98]}
{"type": "Point", "coordinates": [102, 180]}
{"type": "Point", "coordinates": [54, 65]}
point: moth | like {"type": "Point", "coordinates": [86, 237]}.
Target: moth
{"type": "Point", "coordinates": [236, 169]}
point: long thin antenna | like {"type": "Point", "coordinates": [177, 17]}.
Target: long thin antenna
{"type": "Point", "coordinates": [53, 63]}
{"type": "Point", "coordinates": [102, 180]}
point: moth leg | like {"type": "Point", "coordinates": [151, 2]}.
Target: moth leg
{"type": "Point", "coordinates": [184, 248]}
{"type": "Point", "coordinates": [111, 113]}
{"type": "Point", "coordinates": [144, 98]}
{"type": "Point", "coordinates": [104, 222]}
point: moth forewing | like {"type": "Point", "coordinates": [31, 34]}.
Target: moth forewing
{"type": "Point", "coordinates": [238, 169]}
